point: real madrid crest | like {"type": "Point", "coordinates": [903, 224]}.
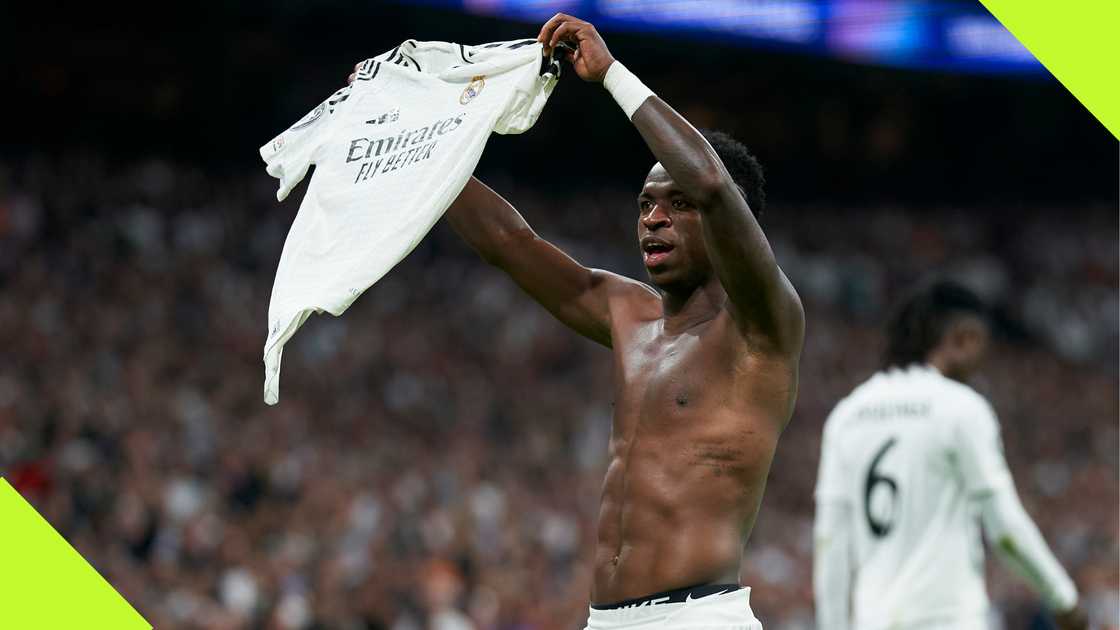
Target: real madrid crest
{"type": "Point", "coordinates": [474, 88]}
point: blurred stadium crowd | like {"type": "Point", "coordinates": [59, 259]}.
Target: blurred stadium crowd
{"type": "Point", "coordinates": [435, 460]}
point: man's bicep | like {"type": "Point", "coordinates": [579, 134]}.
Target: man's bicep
{"type": "Point", "coordinates": [576, 295]}
{"type": "Point", "coordinates": [762, 299]}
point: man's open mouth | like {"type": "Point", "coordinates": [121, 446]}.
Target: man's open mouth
{"type": "Point", "coordinates": [655, 251]}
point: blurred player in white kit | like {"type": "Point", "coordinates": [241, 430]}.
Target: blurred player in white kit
{"type": "Point", "coordinates": [909, 461]}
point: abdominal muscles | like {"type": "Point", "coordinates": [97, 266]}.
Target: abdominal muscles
{"type": "Point", "coordinates": [676, 510]}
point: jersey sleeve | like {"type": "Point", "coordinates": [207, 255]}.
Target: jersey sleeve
{"type": "Point", "coordinates": [830, 474]}
{"type": "Point", "coordinates": [1018, 543]}
{"type": "Point", "coordinates": [832, 571]}
{"type": "Point", "coordinates": [979, 449]}
{"type": "Point", "coordinates": [289, 155]}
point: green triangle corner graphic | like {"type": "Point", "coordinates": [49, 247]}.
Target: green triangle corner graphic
{"type": "Point", "coordinates": [1078, 42]}
{"type": "Point", "coordinates": [45, 584]}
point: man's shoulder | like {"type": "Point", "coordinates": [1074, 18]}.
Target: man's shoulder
{"type": "Point", "coordinates": [964, 410]}
{"type": "Point", "coordinates": [625, 286]}
{"type": "Point", "coordinates": [628, 297]}
{"type": "Point", "coordinates": [956, 395]}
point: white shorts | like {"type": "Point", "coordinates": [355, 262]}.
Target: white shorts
{"type": "Point", "coordinates": [721, 611]}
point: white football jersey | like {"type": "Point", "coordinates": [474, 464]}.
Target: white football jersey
{"type": "Point", "coordinates": [392, 151]}
{"type": "Point", "coordinates": [906, 453]}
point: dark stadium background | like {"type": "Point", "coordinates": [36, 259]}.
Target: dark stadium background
{"type": "Point", "coordinates": [437, 451]}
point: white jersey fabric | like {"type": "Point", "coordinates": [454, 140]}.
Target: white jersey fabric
{"type": "Point", "coordinates": [909, 461]}
{"type": "Point", "coordinates": [725, 611]}
{"type": "Point", "coordinates": [391, 151]}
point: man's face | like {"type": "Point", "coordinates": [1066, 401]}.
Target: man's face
{"type": "Point", "coordinates": [670, 234]}
{"type": "Point", "coordinates": [968, 341]}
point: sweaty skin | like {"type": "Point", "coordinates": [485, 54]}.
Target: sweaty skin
{"type": "Point", "coordinates": [696, 420]}
{"type": "Point", "coordinates": [705, 365]}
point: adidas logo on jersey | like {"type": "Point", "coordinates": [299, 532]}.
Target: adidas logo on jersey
{"type": "Point", "coordinates": [392, 115]}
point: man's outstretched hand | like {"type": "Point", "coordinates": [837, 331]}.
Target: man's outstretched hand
{"type": "Point", "coordinates": [590, 59]}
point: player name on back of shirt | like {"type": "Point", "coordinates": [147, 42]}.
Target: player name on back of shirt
{"type": "Point", "coordinates": [897, 409]}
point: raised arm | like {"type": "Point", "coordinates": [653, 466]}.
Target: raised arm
{"type": "Point", "coordinates": [762, 300]}
{"type": "Point", "coordinates": [579, 297]}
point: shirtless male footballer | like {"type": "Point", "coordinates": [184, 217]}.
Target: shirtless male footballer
{"type": "Point", "coordinates": [705, 365]}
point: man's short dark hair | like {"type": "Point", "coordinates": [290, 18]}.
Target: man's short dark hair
{"type": "Point", "coordinates": [920, 320]}
{"type": "Point", "coordinates": [743, 167]}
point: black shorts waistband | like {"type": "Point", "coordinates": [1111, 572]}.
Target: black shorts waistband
{"type": "Point", "coordinates": [672, 597]}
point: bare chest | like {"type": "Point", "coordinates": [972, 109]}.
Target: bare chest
{"type": "Point", "coordinates": [685, 383]}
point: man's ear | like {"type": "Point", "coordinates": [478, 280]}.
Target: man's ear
{"type": "Point", "coordinates": [957, 336]}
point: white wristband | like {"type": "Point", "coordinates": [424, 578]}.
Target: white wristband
{"type": "Point", "coordinates": [627, 89]}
